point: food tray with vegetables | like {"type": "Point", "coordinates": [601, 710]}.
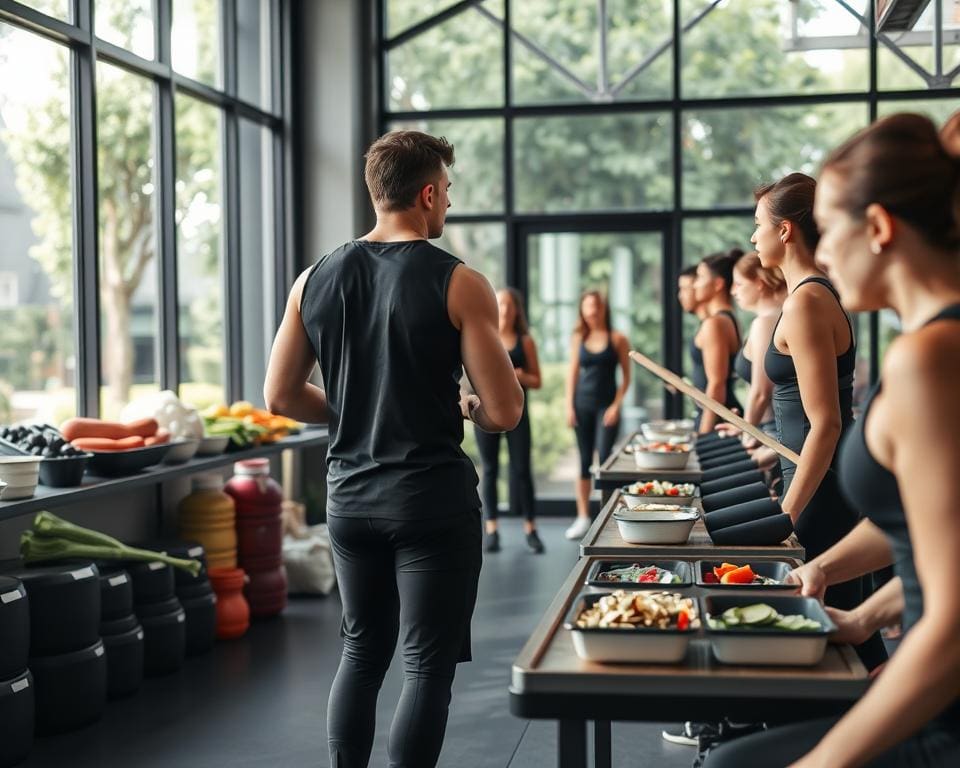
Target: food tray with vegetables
{"type": "Point", "coordinates": [742, 574]}
{"type": "Point", "coordinates": [652, 627]}
{"type": "Point", "coordinates": [774, 630]}
{"type": "Point", "coordinates": [649, 574]}
{"type": "Point", "coordinates": [658, 492]}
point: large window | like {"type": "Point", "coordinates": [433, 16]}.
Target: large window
{"type": "Point", "coordinates": [139, 192]}
{"type": "Point", "coordinates": [567, 116]}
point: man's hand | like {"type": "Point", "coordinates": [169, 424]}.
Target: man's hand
{"type": "Point", "coordinates": [468, 405]}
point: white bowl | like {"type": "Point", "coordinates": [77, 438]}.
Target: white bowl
{"type": "Point", "coordinates": [21, 474]}
{"type": "Point", "coordinates": [660, 459]}
{"type": "Point", "coordinates": [668, 431]}
{"type": "Point", "coordinates": [181, 450]}
{"type": "Point", "coordinates": [633, 500]}
{"type": "Point", "coordinates": [13, 492]}
{"type": "Point", "coordinates": [212, 445]}
{"type": "Point", "coordinates": [667, 527]}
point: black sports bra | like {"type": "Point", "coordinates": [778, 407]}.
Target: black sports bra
{"type": "Point", "coordinates": [779, 365]}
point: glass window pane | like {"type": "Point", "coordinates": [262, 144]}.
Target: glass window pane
{"type": "Point", "coordinates": [773, 46]}
{"type": "Point", "coordinates": [196, 40]}
{"type": "Point", "coordinates": [627, 267]}
{"type": "Point", "coordinates": [480, 246]}
{"type": "Point", "coordinates": [253, 52]}
{"type": "Point", "coordinates": [37, 357]}
{"type": "Point", "coordinates": [129, 267]}
{"type": "Point", "coordinates": [199, 246]}
{"type": "Point", "coordinates": [919, 70]}
{"type": "Point", "coordinates": [727, 153]}
{"type": "Point", "coordinates": [937, 110]}
{"type": "Point", "coordinates": [458, 63]}
{"type": "Point", "coordinates": [59, 9]}
{"type": "Point", "coordinates": [127, 23]}
{"type": "Point", "coordinates": [477, 173]}
{"type": "Point", "coordinates": [402, 14]}
{"type": "Point", "coordinates": [593, 163]}
{"type": "Point", "coordinates": [558, 55]}
{"type": "Point", "coordinates": [257, 276]}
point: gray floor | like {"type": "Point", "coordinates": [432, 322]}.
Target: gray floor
{"type": "Point", "coordinates": [261, 700]}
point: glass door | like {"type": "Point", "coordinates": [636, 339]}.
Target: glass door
{"type": "Point", "coordinates": [627, 266]}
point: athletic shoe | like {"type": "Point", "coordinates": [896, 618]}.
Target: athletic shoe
{"type": "Point", "coordinates": [580, 526]}
{"type": "Point", "coordinates": [689, 734]}
{"type": "Point", "coordinates": [491, 542]}
{"type": "Point", "coordinates": [534, 544]}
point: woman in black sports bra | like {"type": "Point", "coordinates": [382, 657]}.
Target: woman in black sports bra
{"type": "Point", "coordinates": [714, 348]}
{"type": "Point", "coordinates": [810, 360]}
{"type": "Point", "coordinates": [889, 209]}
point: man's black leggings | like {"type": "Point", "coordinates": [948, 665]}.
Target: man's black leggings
{"type": "Point", "coordinates": [414, 579]}
{"type": "Point", "coordinates": [593, 435]}
{"type": "Point", "coordinates": [520, 473]}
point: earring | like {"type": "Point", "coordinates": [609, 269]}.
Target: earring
{"type": "Point", "coordinates": [875, 249]}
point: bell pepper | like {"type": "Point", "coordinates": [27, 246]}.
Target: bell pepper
{"type": "Point", "coordinates": [683, 620]}
{"type": "Point", "coordinates": [743, 575]}
{"type": "Point", "coordinates": [672, 492]}
{"type": "Point", "coordinates": [724, 568]}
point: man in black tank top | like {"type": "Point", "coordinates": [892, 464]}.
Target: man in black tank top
{"type": "Point", "coordinates": [392, 322]}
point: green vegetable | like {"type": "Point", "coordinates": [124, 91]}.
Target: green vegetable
{"type": "Point", "coordinates": [53, 538]}
{"type": "Point", "coordinates": [759, 616]}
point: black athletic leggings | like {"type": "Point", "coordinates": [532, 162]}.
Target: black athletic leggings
{"type": "Point", "coordinates": [519, 470]}
{"type": "Point", "coordinates": [593, 435]}
{"type": "Point", "coordinates": [779, 747]}
{"type": "Point", "coordinates": [416, 579]}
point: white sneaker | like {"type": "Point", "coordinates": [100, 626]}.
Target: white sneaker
{"type": "Point", "coordinates": [580, 526]}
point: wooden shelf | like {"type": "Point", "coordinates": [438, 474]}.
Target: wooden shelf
{"type": "Point", "coordinates": [92, 487]}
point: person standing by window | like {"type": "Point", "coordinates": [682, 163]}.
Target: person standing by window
{"type": "Point", "coordinates": [593, 397]}
{"type": "Point", "coordinates": [516, 339]}
{"type": "Point", "coordinates": [392, 321]}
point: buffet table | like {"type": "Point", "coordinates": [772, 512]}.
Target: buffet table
{"type": "Point", "coordinates": [603, 538]}
{"type": "Point", "coordinates": [620, 469]}
{"type": "Point", "coordinates": [549, 681]}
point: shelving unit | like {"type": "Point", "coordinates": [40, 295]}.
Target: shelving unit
{"type": "Point", "coordinates": [93, 487]}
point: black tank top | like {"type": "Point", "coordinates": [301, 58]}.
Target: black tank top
{"type": "Point", "coordinates": [597, 380]}
{"type": "Point", "coordinates": [792, 422]}
{"type": "Point", "coordinates": [517, 356]}
{"type": "Point", "coordinates": [699, 372]}
{"type": "Point", "coordinates": [376, 314]}
{"type": "Point", "coordinates": [873, 489]}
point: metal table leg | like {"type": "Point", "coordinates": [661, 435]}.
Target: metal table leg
{"type": "Point", "coordinates": [572, 744]}
{"type": "Point", "coordinates": [602, 749]}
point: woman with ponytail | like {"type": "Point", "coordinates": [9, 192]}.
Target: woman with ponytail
{"type": "Point", "coordinates": [888, 208]}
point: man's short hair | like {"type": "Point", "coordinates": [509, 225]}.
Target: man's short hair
{"type": "Point", "coordinates": [689, 272]}
{"type": "Point", "coordinates": [400, 164]}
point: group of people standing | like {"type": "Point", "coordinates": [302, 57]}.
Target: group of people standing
{"type": "Point", "coordinates": [593, 399]}
{"type": "Point", "coordinates": [392, 322]}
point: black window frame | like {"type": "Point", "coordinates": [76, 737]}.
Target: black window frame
{"type": "Point", "coordinates": [86, 49]}
{"type": "Point", "coordinates": [676, 106]}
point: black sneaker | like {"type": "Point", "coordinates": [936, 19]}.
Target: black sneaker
{"type": "Point", "coordinates": [491, 542]}
{"type": "Point", "coordinates": [690, 734]}
{"type": "Point", "coordinates": [534, 544]}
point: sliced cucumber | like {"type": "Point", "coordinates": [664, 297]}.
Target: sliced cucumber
{"type": "Point", "coordinates": [759, 613]}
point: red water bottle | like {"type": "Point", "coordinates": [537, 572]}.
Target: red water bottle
{"type": "Point", "coordinates": [259, 536]}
